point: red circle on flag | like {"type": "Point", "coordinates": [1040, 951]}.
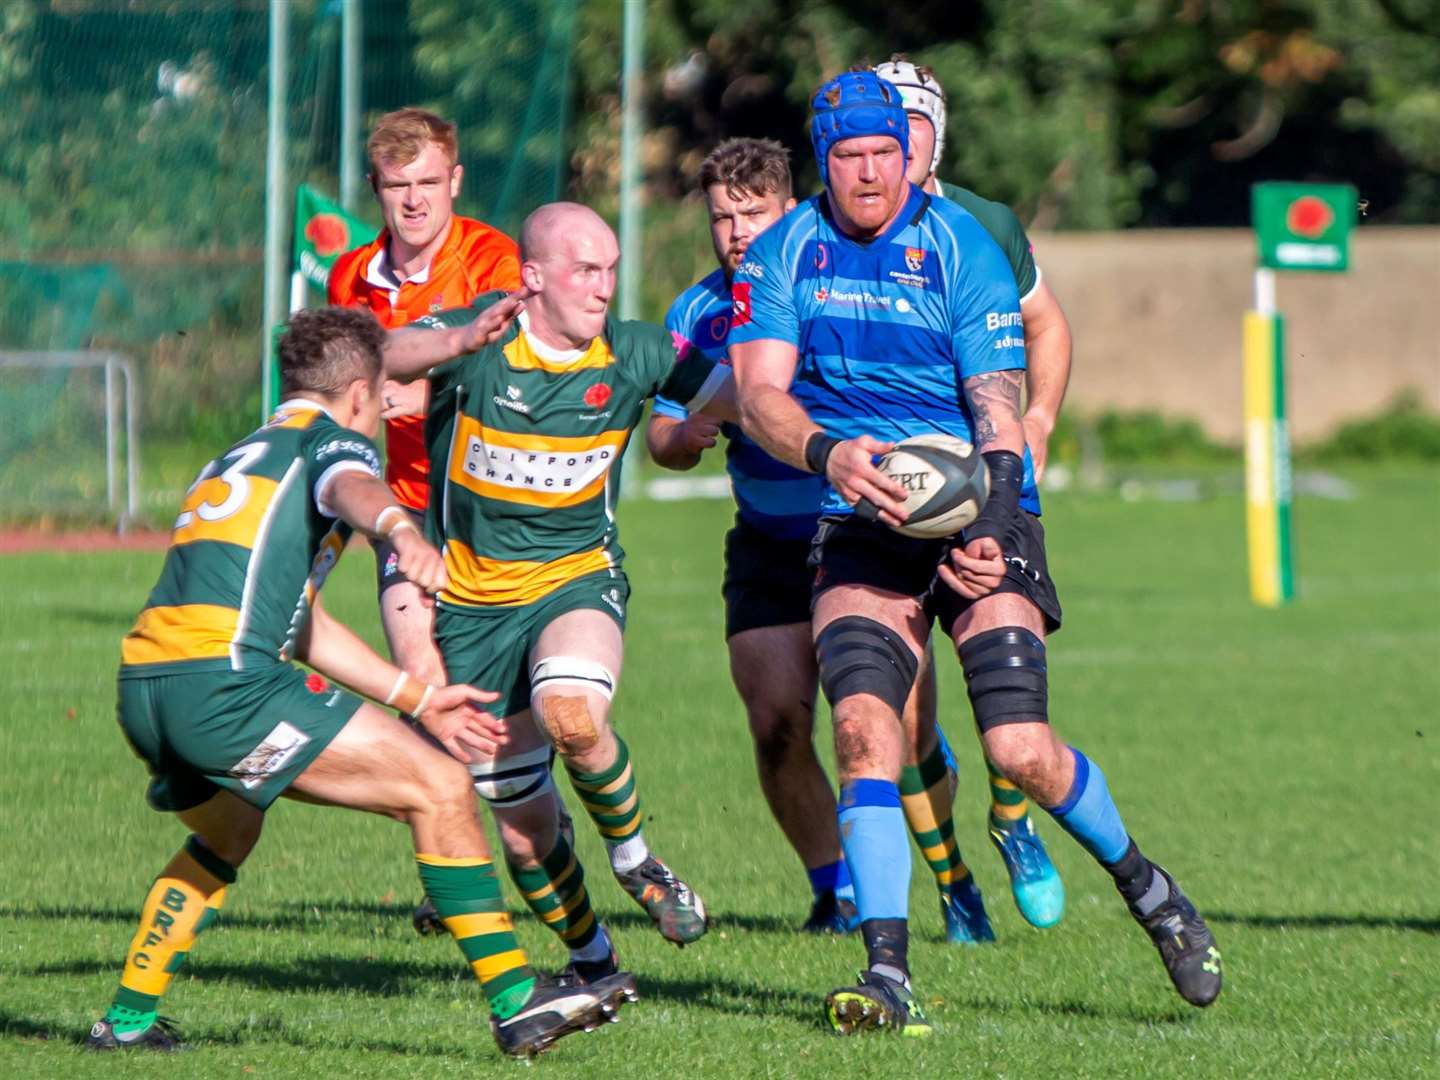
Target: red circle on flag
{"type": "Point", "coordinates": [597, 395]}
{"type": "Point", "coordinates": [1309, 217]}
{"type": "Point", "coordinates": [329, 234]}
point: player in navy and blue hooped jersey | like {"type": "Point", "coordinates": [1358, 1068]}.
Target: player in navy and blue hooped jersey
{"type": "Point", "coordinates": [875, 310]}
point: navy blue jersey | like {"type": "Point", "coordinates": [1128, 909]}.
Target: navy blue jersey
{"type": "Point", "coordinates": [777, 499]}
{"type": "Point", "coordinates": [886, 331]}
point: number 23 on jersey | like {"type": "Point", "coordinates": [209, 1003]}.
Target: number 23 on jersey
{"type": "Point", "coordinates": [230, 506]}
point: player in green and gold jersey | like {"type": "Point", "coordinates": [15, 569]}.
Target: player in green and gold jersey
{"type": "Point", "coordinates": [526, 438]}
{"type": "Point", "coordinates": [226, 724]}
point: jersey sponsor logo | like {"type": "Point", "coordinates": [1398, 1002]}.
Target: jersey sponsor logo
{"type": "Point", "coordinates": [597, 395]}
{"type": "Point", "coordinates": [719, 328]}
{"type": "Point", "coordinates": [857, 298]}
{"type": "Point", "coordinates": [429, 322]}
{"type": "Point", "coordinates": [995, 320]}
{"type": "Point", "coordinates": [364, 451]}
{"type": "Point", "coordinates": [750, 269]}
{"type": "Point", "coordinates": [914, 258]}
{"type": "Point", "coordinates": [740, 299]}
{"type": "Point", "coordinates": [821, 295]}
{"type": "Point", "coordinates": [822, 257]}
{"type": "Point", "coordinates": [902, 305]}
{"type": "Point", "coordinates": [538, 470]}
{"type": "Point", "coordinates": [1009, 341]}
{"type": "Point", "coordinates": [267, 759]}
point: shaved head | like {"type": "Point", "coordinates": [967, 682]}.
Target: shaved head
{"type": "Point", "coordinates": [567, 260]}
{"type": "Point", "coordinates": [545, 231]}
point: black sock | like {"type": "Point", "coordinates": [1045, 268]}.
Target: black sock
{"type": "Point", "coordinates": [887, 944]}
{"type": "Point", "coordinates": [1139, 880]}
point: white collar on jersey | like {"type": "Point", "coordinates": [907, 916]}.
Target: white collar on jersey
{"type": "Point", "coordinates": [381, 272]}
{"type": "Point", "coordinates": [548, 352]}
{"type": "Point", "coordinates": [295, 404]}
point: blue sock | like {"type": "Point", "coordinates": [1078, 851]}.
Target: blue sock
{"type": "Point", "coordinates": [1088, 813]}
{"type": "Point", "coordinates": [877, 847]}
{"type": "Point", "coordinates": [832, 877]}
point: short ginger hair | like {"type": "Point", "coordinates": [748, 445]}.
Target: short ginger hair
{"type": "Point", "coordinates": [400, 137]}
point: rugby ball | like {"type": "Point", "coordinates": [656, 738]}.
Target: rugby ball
{"type": "Point", "coordinates": [945, 480]}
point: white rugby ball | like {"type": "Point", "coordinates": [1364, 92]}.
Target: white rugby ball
{"type": "Point", "coordinates": [946, 483]}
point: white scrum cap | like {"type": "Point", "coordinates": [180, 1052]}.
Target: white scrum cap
{"type": "Point", "coordinates": [921, 93]}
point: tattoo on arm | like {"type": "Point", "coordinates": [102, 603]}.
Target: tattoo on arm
{"type": "Point", "coordinates": [994, 403]}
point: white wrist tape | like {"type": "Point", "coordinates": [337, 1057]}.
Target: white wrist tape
{"type": "Point", "coordinates": [391, 520]}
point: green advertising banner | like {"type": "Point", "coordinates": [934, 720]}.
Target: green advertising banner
{"type": "Point", "coordinates": [323, 232]}
{"type": "Point", "coordinates": [1303, 226]}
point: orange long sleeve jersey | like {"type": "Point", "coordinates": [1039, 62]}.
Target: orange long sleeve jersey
{"type": "Point", "coordinates": [474, 259]}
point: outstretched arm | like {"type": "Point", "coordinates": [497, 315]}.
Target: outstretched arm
{"type": "Point", "coordinates": [412, 351]}
{"type": "Point", "coordinates": [449, 713]}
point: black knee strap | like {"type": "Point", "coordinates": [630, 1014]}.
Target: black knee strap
{"type": "Point", "coordinates": [1005, 674]}
{"type": "Point", "coordinates": [861, 656]}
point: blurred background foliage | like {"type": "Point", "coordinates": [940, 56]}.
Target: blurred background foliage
{"type": "Point", "coordinates": [132, 147]}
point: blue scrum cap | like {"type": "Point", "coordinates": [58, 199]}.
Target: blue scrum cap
{"type": "Point", "coordinates": [851, 106]}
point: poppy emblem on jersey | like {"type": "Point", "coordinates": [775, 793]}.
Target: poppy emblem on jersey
{"type": "Point", "coordinates": [740, 298]}
{"type": "Point", "coordinates": [822, 295]}
{"type": "Point", "coordinates": [597, 395]}
{"type": "Point", "coordinates": [914, 259]}
{"type": "Point", "coordinates": [316, 684]}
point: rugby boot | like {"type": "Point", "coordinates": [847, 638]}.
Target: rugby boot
{"type": "Point", "coordinates": [588, 972]}
{"type": "Point", "coordinates": [553, 1011]}
{"type": "Point", "coordinates": [966, 922]}
{"type": "Point", "coordinates": [427, 919]}
{"type": "Point", "coordinates": [671, 904]}
{"type": "Point", "coordinates": [1186, 945]}
{"type": "Point", "coordinates": [159, 1034]}
{"type": "Point", "coordinates": [878, 1003]}
{"type": "Point", "coordinates": [1034, 882]}
{"type": "Point", "coordinates": [831, 914]}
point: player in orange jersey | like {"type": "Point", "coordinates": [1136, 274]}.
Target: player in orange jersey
{"type": "Point", "coordinates": [426, 259]}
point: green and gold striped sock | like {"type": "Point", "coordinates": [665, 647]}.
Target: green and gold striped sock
{"type": "Point", "coordinates": [926, 799]}
{"type": "Point", "coordinates": [1008, 804]}
{"type": "Point", "coordinates": [466, 894]}
{"type": "Point", "coordinates": [555, 891]}
{"type": "Point", "coordinates": [610, 797]}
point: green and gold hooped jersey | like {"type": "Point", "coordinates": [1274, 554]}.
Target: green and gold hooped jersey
{"type": "Point", "coordinates": [250, 549]}
{"type": "Point", "coordinates": [525, 447]}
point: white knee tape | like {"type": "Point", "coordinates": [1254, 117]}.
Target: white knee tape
{"type": "Point", "coordinates": [571, 672]}
{"type": "Point", "coordinates": [512, 779]}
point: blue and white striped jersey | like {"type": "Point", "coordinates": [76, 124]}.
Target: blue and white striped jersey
{"type": "Point", "coordinates": [887, 330]}
{"type": "Point", "coordinates": [775, 498]}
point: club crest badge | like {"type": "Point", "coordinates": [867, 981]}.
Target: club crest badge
{"type": "Point", "coordinates": [914, 259]}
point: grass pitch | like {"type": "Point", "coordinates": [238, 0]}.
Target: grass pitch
{"type": "Point", "coordinates": [1283, 764]}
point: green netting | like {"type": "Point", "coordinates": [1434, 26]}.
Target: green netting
{"type": "Point", "coordinates": [132, 171]}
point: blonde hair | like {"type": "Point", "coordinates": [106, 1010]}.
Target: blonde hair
{"type": "Point", "coordinates": [400, 137]}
